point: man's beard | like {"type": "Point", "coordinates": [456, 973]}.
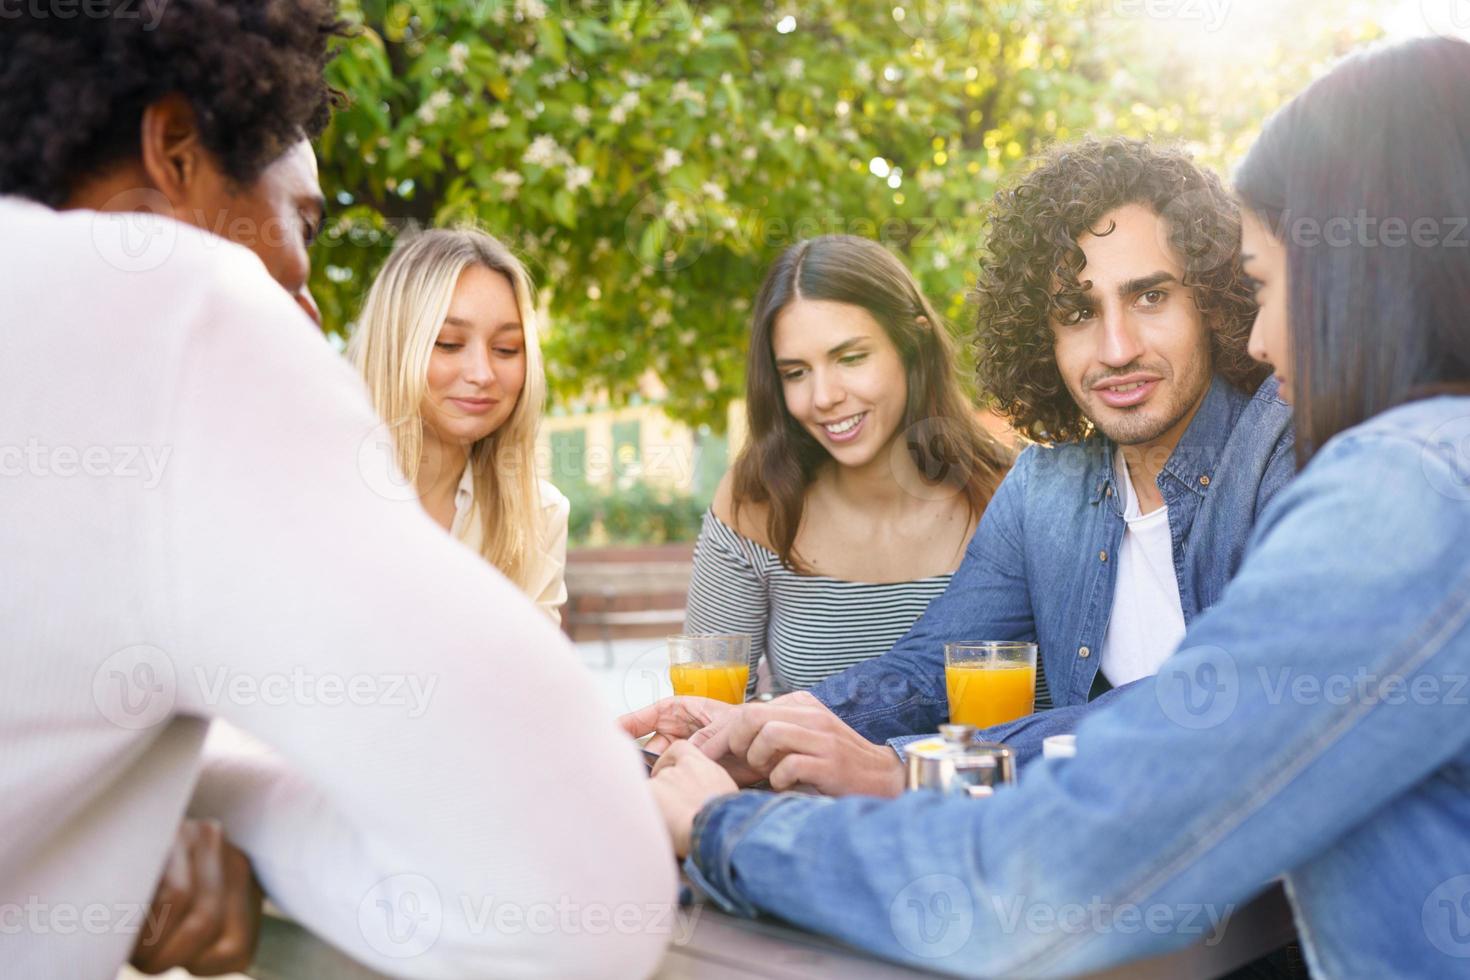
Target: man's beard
{"type": "Point", "coordinates": [1137, 426]}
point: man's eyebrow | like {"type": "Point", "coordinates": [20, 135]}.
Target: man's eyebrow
{"type": "Point", "coordinates": [1145, 283]}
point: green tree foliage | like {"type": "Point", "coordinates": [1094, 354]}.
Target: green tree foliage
{"type": "Point", "coordinates": [650, 159]}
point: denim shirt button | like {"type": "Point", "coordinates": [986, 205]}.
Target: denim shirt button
{"type": "Point", "coordinates": [1084, 652]}
{"type": "Point", "coordinates": [1204, 481]}
{"type": "Point", "coordinates": [1102, 556]}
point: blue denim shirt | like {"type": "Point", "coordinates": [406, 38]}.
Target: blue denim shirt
{"type": "Point", "coordinates": [1041, 564]}
{"type": "Point", "coordinates": [1314, 723]}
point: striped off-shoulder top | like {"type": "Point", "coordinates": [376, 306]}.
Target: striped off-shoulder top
{"type": "Point", "coordinates": [807, 627]}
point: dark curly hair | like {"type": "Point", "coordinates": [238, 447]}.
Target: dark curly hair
{"type": "Point", "coordinates": [1029, 273]}
{"type": "Point", "coordinates": [73, 89]}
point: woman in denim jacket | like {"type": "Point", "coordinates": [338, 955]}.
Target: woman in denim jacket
{"type": "Point", "coordinates": [1314, 724]}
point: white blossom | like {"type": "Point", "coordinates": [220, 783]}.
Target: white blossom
{"type": "Point", "coordinates": [530, 10]}
{"type": "Point", "coordinates": [795, 68]}
{"type": "Point", "coordinates": [748, 154]}
{"type": "Point", "coordinates": [670, 160]}
{"type": "Point", "coordinates": [619, 113]}
{"type": "Point", "coordinates": [432, 106]}
{"type": "Point", "coordinates": [414, 147]}
{"type": "Point", "coordinates": [713, 191]}
{"type": "Point", "coordinates": [582, 115]}
{"type": "Point", "coordinates": [683, 92]}
{"type": "Point", "coordinates": [459, 57]}
{"type": "Point", "coordinates": [931, 180]}
{"type": "Point", "coordinates": [940, 261]}
{"type": "Point", "coordinates": [543, 152]}
{"type": "Point", "coordinates": [498, 119]}
{"type": "Point", "coordinates": [510, 184]}
{"type": "Point", "coordinates": [578, 177]}
{"type": "Point", "coordinates": [660, 318]}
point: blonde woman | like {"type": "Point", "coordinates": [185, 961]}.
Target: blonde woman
{"type": "Point", "coordinates": [447, 342]}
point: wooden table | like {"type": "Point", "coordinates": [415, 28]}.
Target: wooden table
{"type": "Point", "coordinates": [723, 947]}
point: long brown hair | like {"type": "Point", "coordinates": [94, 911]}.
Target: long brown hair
{"type": "Point", "coordinates": [781, 459]}
{"type": "Point", "coordinates": [1374, 321]}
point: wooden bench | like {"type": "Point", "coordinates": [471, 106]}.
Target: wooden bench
{"type": "Point", "coordinates": [627, 592]}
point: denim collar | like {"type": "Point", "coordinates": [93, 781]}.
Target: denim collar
{"type": "Point", "coordinates": [1192, 463]}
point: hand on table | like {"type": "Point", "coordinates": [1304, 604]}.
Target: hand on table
{"type": "Point", "coordinates": [797, 740]}
{"type": "Point", "coordinates": [678, 718]}
{"type": "Point", "coordinates": [206, 911]}
{"type": "Point", "coordinates": [683, 781]}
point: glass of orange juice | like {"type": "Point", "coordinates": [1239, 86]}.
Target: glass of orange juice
{"type": "Point", "coordinates": [989, 681]}
{"type": "Point", "coordinates": [710, 665]}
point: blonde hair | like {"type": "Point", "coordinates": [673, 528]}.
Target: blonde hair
{"type": "Point", "coordinates": [400, 322]}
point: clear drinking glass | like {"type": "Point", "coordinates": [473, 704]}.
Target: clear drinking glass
{"type": "Point", "coordinates": [710, 665]}
{"type": "Point", "coordinates": [989, 681]}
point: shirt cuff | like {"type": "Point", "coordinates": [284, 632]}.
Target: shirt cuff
{"type": "Point", "coordinates": [902, 742]}
{"type": "Point", "coordinates": [718, 829]}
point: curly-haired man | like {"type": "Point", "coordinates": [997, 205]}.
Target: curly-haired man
{"type": "Point", "coordinates": [1113, 321]}
{"type": "Point", "coordinates": [191, 533]}
{"type": "Point", "coordinates": [218, 139]}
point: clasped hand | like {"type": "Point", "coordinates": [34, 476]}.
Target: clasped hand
{"type": "Point", "coordinates": [794, 742]}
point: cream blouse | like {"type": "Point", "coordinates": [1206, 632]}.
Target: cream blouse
{"type": "Point", "coordinates": [548, 569]}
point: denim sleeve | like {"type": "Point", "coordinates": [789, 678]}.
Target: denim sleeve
{"type": "Point", "coordinates": [1280, 725]}
{"type": "Point", "coordinates": [902, 692]}
{"type": "Point", "coordinates": [1280, 469]}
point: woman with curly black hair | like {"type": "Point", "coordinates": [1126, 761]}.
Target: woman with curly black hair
{"type": "Point", "coordinates": [101, 112]}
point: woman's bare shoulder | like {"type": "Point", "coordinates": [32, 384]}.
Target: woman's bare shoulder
{"type": "Point", "coordinates": [748, 519]}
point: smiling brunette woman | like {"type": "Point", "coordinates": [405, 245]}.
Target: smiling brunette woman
{"type": "Point", "coordinates": [448, 345]}
{"type": "Point", "coordinates": [864, 472]}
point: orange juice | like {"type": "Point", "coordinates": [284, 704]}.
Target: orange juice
{"type": "Point", "coordinates": [723, 682]}
{"type": "Point", "coordinates": [989, 694]}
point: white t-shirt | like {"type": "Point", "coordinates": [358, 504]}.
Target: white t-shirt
{"type": "Point", "coordinates": [1147, 620]}
{"type": "Point", "coordinates": [197, 522]}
